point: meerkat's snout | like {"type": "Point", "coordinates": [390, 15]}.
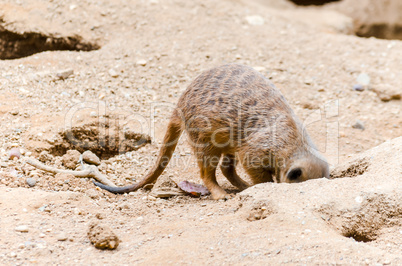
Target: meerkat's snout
{"type": "Point", "coordinates": [294, 175]}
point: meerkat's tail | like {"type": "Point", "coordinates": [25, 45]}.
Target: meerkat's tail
{"type": "Point", "coordinates": [172, 136]}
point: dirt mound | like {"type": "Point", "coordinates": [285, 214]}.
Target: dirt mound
{"type": "Point", "coordinates": [373, 212]}
{"type": "Point", "coordinates": [350, 169]}
{"type": "Point", "coordinates": [105, 137]}
{"type": "Point", "coordinates": [360, 205]}
{"type": "Point", "coordinates": [380, 19]}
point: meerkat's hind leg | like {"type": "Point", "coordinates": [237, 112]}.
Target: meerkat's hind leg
{"type": "Point", "coordinates": [208, 163]}
{"type": "Point", "coordinates": [228, 168]}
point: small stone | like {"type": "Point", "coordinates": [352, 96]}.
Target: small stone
{"type": "Point", "coordinates": [71, 158]}
{"type": "Point", "coordinates": [141, 62]}
{"type": "Point", "coordinates": [390, 97]}
{"type": "Point", "coordinates": [91, 158]}
{"type": "Point", "coordinates": [358, 87]}
{"type": "Point", "coordinates": [42, 209]}
{"type": "Point", "coordinates": [62, 237]}
{"type": "Point", "coordinates": [308, 81]}
{"type": "Point", "coordinates": [113, 73]}
{"type": "Point", "coordinates": [359, 199]}
{"type": "Point", "coordinates": [359, 125]}
{"type": "Point", "coordinates": [14, 153]}
{"type": "Point", "coordinates": [102, 237]}
{"type": "Point", "coordinates": [94, 114]}
{"type": "Point", "coordinates": [78, 211]}
{"type": "Point", "coordinates": [363, 79]}
{"type": "Point", "coordinates": [63, 74]}
{"type": "Point", "coordinates": [260, 68]}
{"type": "Point", "coordinates": [100, 216]}
{"type": "Point", "coordinates": [31, 182]}
{"type": "Point", "coordinates": [12, 255]}
{"type": "Point", "coordinates": [22, 228]}
{"type": "Point", "coordinates": [388, 94]}
{"type": "Point", "coordinates": [14, 112]}
{"type": "Point", "coordinates": [255, 20]}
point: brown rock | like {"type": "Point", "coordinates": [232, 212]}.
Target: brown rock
{"type": "Point", "coordinates": [91, 158]}
{"type": "Point", "coordinates": [102, 237]}
{"type": "Point", "coordinates": [71, 158]}
{"type": "Point", "coordinates": [63, 74]}
{"type": "Point", "coordinates": [389, 95]}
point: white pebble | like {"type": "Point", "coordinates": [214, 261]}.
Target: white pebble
{"type": "Point", "coordinates": [62, 237]}
{"type": "Point", "coordinates": [359, 199]}
{"type": "Point", "coordinates": [31, 182]}
{"type": "Point", "coordinates": [13, 255]}
{"type": "Point", "coordinates": [141, 62]}
{"type": "Point", "coordinates": [255, 20]}
{"type": "Point", "coordinates": [113, 73]}
{"type": "Point", "coordinates": [64, 73]}
{"type": "Point", "coordinates": [22, 228]}
{"type": "Point", "coordinates": [363, 79]}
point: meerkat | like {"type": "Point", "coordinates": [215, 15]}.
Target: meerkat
{"type": "Point", "coordinates": [233, 114]}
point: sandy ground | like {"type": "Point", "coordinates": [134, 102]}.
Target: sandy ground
{"type": "Point", "coordinates": [149, 52]}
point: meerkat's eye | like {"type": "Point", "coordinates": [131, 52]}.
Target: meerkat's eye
{"type": "Point", "coordinates": [294, 174]}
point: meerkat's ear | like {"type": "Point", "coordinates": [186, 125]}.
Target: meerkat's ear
{"type": "Point", "coordinates": [294, 174]}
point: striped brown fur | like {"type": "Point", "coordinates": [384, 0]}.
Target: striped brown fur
{"type": "Point", "coordinates": [234, 114]}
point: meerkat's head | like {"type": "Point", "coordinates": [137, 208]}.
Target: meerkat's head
{"type": "Point", "coordinates": [305, 168]}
